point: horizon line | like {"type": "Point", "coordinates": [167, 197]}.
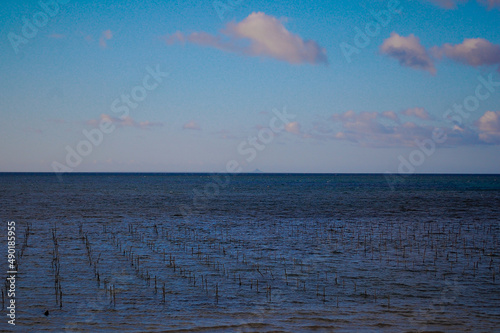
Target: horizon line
{"type": "Point", "coordinates": [250, 173]}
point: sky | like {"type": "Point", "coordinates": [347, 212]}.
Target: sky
{"type": "Point", "coordinates": [240, 85]}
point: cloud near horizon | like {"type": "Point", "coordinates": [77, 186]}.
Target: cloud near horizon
{"type": "Point", "coordinates": [489, 127]}
{"type": "Point", "coordinates": [374, 129]}
{"type": "Point", "coordinates": [384, 129]}
{"type": "Point", "coordinates": [258, 35]}
{"type": "Point", "coordinates": [293, 127]}
{"type": "Point", "coordinates": [417, 112]}
{"type": "Point", "coordinates": [191, 125]}
{"type": "Point", "coordinates": [124, 122]}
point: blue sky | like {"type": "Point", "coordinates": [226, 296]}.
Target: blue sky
{"type": "Point", "coordinates": [229, 68]}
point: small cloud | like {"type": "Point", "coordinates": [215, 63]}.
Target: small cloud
{"type": "Point", "coordinates": [489, 127]}
{"type": "Point", "coordinates": [192, 125]}
{"type": "Point", "coordinates": [420, 113]}
{"type": "Point", "coordinates": [124, 122]}
{"type": "Point", "coordinates": [293, 127]}
{"type": "Point", "coordinates": [258, 35]}
{"type": "Point", "coordinates": [105, 36]}
{"type": "Point", "coordinates": [472, 51]}
{"type": "Point", "coordinates": [408, 51]}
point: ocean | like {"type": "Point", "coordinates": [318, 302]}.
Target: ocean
{"type": "Point", "coordinates": [252, 252]}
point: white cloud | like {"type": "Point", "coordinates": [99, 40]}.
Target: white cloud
{"type": "Point", "coordinates": [258, 35]}
{"type": "Point", "coordinates": [408, 51]}
{"type": "Point", "coordinates": [489, 127]}
{"type": "Point", "coordinates": [472, 51]}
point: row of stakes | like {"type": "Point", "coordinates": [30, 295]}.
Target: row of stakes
{"type": "Point", "coordinates": [109, 289]}
{"type": "Point", "coordinates": [213, 263]}
{"type": "Point", "coordinates": [219, 267]}
{"type": "Point", "coordinates": [56, 268]}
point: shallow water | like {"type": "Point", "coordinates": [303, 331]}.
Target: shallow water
{"type": "Point", "coordinates": [254, 253]}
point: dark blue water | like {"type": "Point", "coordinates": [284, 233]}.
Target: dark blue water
{"type": "Point", "coordinates": [159, 252]}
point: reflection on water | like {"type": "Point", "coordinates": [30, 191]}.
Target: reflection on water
{"type": "Point", "coordinates": [268, 253]}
